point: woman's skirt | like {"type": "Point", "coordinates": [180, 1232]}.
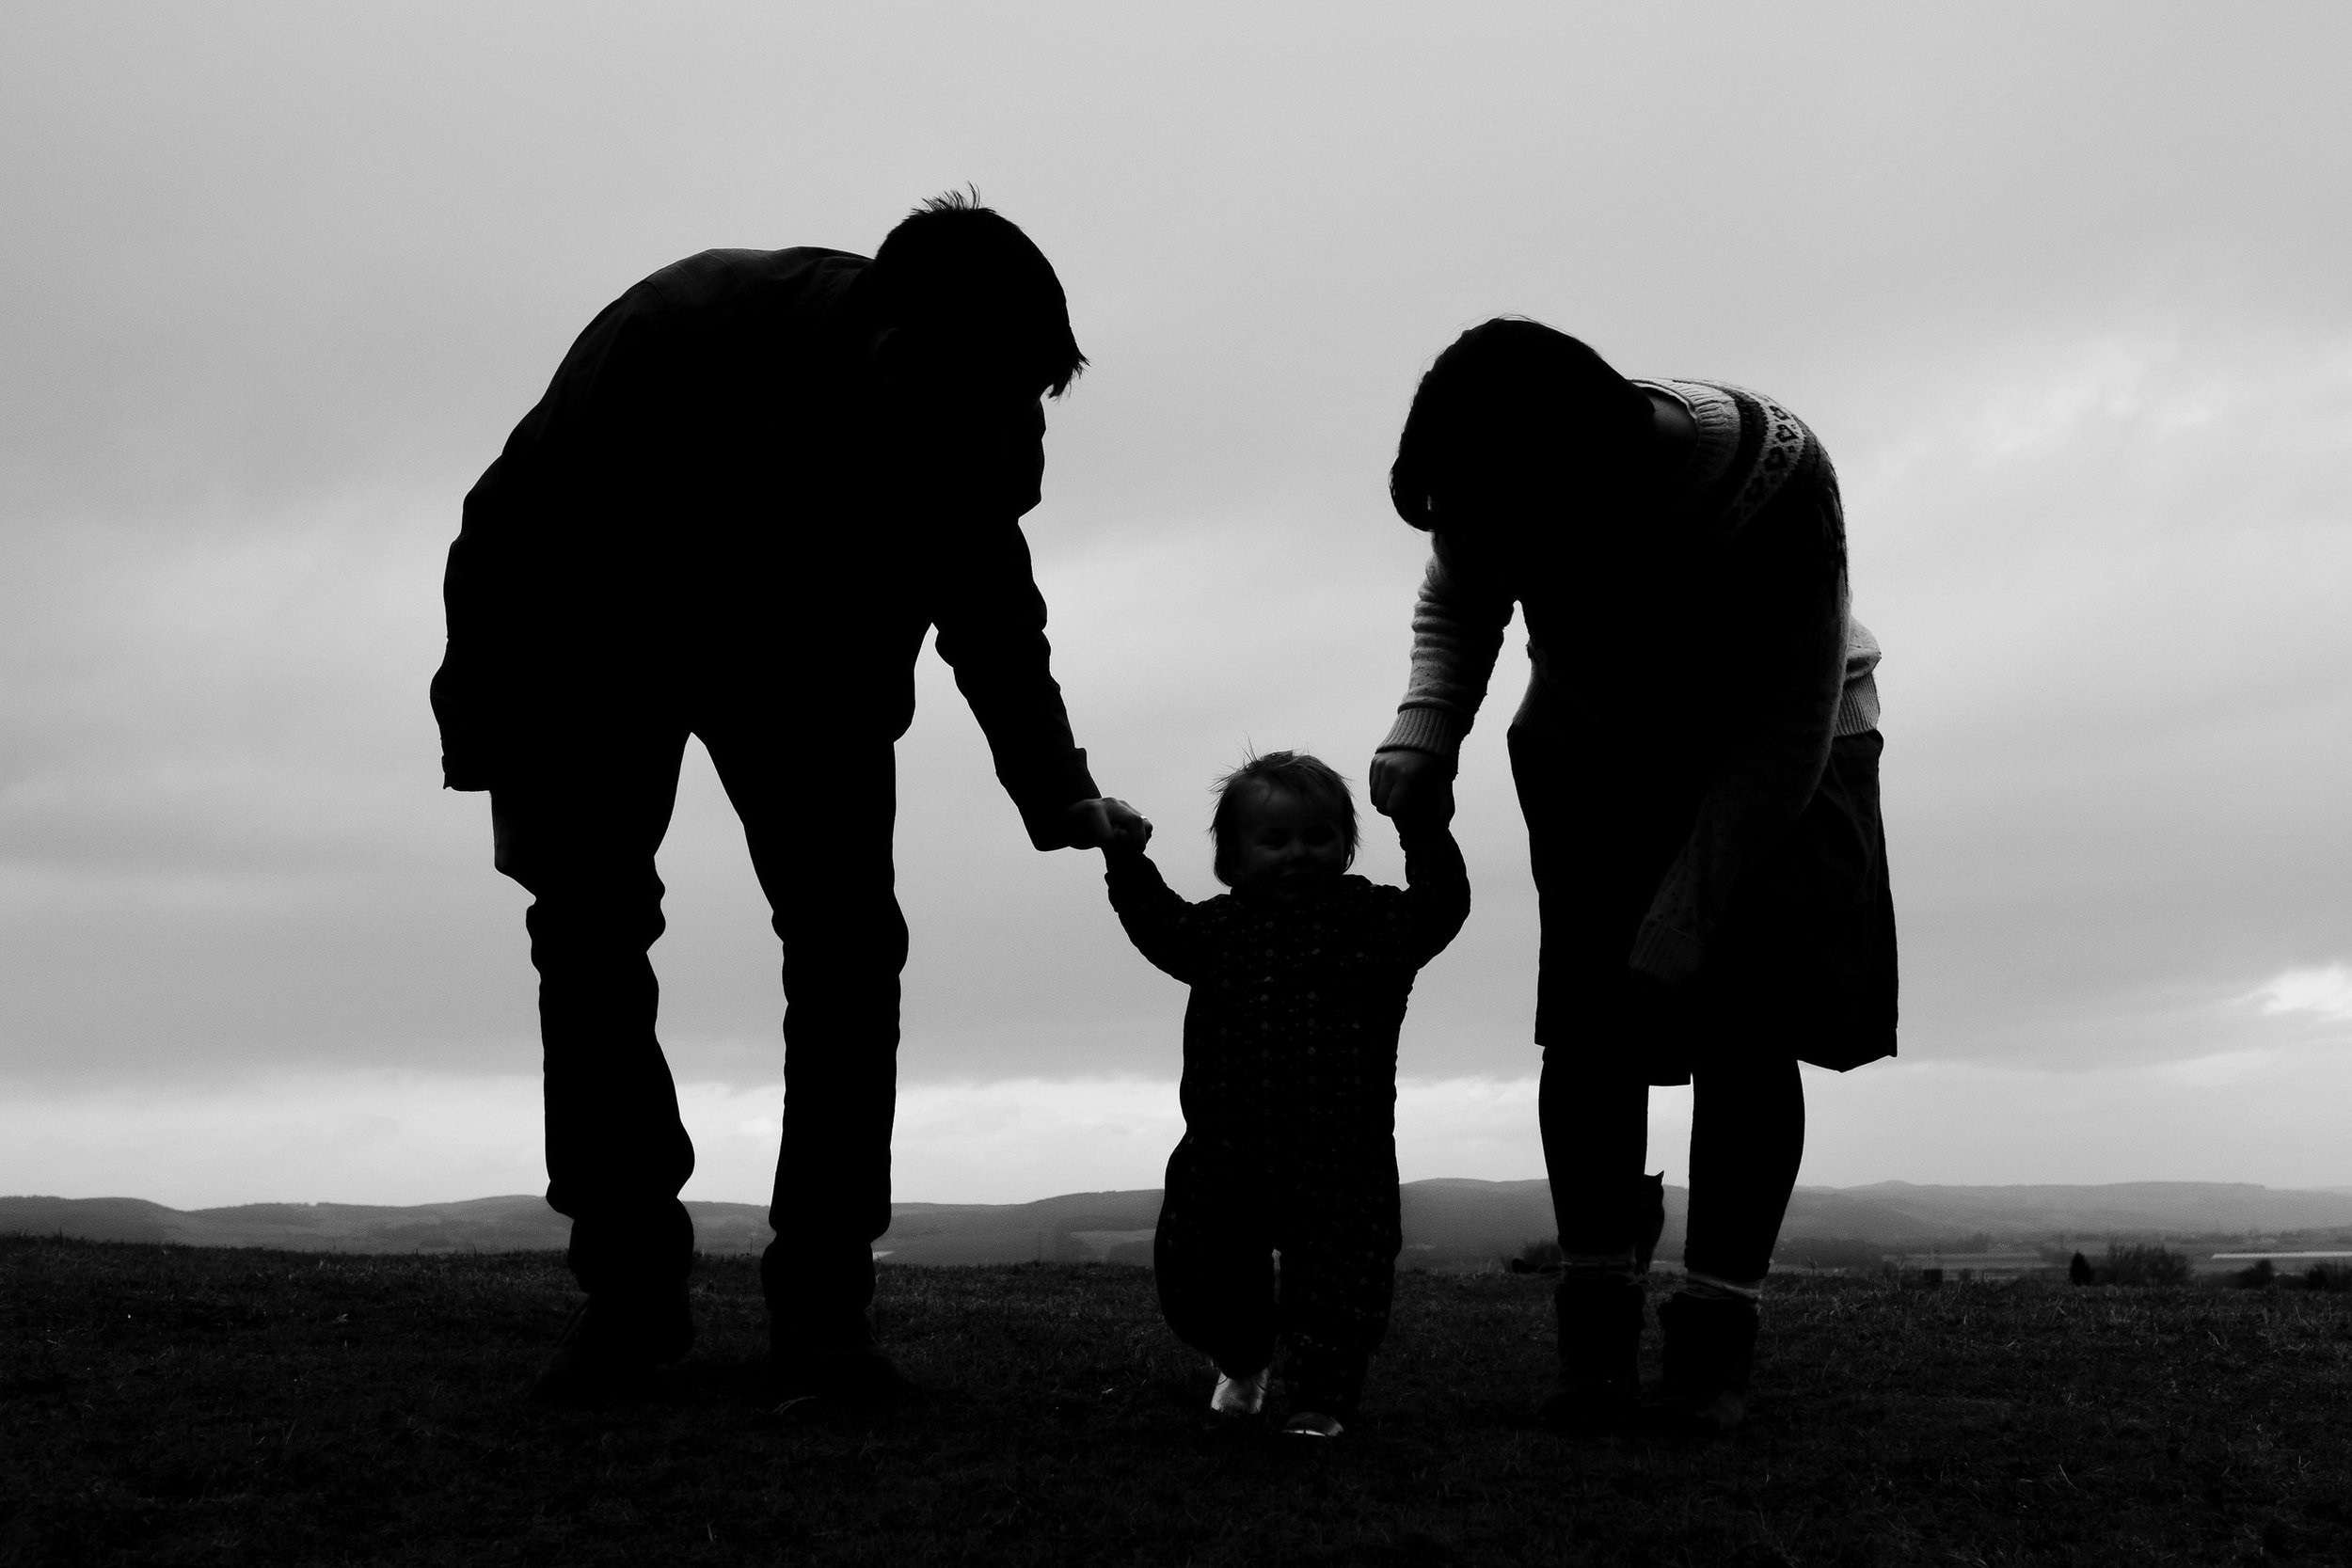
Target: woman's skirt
{"type": "Point", "coordinates": [1802, 963]}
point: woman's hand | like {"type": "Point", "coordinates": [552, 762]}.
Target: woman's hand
{"type": "Point", "coordinates": [1412, 787]}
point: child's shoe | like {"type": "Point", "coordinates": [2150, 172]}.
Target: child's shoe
{"type": "Point", "coordinates": [1240, 1396]}
{"type": "Point", "coordinates": [1312, 1423]}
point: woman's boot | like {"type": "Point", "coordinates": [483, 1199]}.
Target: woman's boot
{"type": "Point", "coordinates": [1710, 1349]}
{"type": "Point", "coordinates": [1600, 1342]}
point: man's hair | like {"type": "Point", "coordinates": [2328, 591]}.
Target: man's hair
{"type": "Point", "coordinates": [1308, 780]}
{"type": "Point", "coordinates": [964, 272]}
{"type": "Point", "coordinates": [1510, 403]}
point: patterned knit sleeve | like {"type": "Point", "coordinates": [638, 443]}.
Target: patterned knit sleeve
{"type": "Point", "coordinates": [1164, 928]}
{"type": "Point", "coordinates": [1789, 625]}
{"type": "Point", "coordinates": [1457, 631]}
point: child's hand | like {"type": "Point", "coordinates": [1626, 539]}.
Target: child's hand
{"type": "Point", "coordinates": [1130, 830]}
{"type": "Point", "coordinates": [1108, 825]}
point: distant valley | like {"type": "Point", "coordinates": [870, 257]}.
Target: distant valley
{"type": "Point", "coordinates": [1448, 1223]}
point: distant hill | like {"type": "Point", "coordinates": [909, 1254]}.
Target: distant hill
{"type": "Point", "coordinates": [1900, 1214]}
{"type": "Point", "coordinates": [1448, 1223]}
{"type": "Point", "coordinates": [517, 1224]}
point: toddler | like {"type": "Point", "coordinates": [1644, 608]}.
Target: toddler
{"type": "Point", "coordinates": [1299, 977]}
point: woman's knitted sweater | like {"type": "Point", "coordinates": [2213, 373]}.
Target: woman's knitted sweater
{"type": "Point", "coordinates": [1715, 629]}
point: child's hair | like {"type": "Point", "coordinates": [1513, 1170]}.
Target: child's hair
{"type": "Point", "coordinates": [1308, 780]}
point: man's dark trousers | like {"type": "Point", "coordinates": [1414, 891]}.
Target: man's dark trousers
{"type": "Point", "coordinates": [581, 834]}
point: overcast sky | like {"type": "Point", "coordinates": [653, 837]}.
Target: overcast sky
{"type": "Point", "coordinates": [2061, 287]}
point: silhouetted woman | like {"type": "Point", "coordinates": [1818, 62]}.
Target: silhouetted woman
{"type": "Point", "coordinates": [1697, 760]}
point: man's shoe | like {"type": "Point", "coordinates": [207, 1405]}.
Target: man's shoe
{"type": "Point", "coordinates": [858, 1377]}
{"type": "Point", "coordinates": [609, 1350]}
{"type": "Point", "coordinates": [1710, 1351]}
{"type": "Point", "coordinates": [666, 1327]}
{"type": "Point", "coordinates": [1312, 1423]}
{"type": "Point", "coordinates": [583, 1375]}
{"type": "Point", "coordinates": [1240, 1396]}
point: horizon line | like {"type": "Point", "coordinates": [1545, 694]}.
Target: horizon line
{"type": "Point", "coordinates": [898, 1203]}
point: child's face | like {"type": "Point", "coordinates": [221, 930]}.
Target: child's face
{"type": "Point", "coordinates": [1284, 846]}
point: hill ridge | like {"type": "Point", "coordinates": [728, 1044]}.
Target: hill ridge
{"type": "Point", "coordinates": [1449, 1221]}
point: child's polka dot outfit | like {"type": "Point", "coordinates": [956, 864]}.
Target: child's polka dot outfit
{"type": "Point", "coordinates": [1290, 1109]}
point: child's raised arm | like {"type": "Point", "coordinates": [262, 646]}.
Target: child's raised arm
{"type": "Point", "coordinates": [1160, 924]}
{"type": "Point", "coordinates": [1437, 886]}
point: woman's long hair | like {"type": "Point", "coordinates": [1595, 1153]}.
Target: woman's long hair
{"type": "Point", "coordinates": [1510, 406]}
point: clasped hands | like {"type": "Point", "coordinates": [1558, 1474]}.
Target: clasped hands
{"type": "Point", "coordinates": [1108, 825]}
{"type": "Point", "coordinates": [1412, 787]}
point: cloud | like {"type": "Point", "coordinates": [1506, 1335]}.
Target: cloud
{"type": "Point", "coordinates": [2112, 729]}
{"type": "Point", "coordinates": [298, 1135]}
{"type": "Point", "coordinates": [374, 1135]}
{"type": "Point", "coordinates": [2326, 992]}
{"type": "Point", "coordinates": [2267, 1114]}
{"type": "Point", "coordinates": [289, 274]}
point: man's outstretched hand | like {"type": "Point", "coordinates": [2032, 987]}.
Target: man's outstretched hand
{"type": "Point", "coordinates": [1108, 824]}
{"type": "Point", "coordinates": [1412, 787]}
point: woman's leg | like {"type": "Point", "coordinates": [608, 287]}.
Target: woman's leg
{"type": "Point", "coordinates": [1594, 1103]}
{"type": "Point", "coordinates": [1595, 1126]}
{"type": "Point", "coordinates": [1590, 845]}
{"type": "Point", "coordinates": [1747, 1135]}
{"type": "Point", "coordinates": [1595, 1131]}
{"type": "Point", "coordinates": [1747, 1138]}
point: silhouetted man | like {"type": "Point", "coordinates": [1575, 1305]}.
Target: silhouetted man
{"type": "Point", "coordinates": [756, 480]}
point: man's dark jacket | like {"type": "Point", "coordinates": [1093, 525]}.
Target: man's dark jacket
{"type": "Point", "coordinates": [710, 509]}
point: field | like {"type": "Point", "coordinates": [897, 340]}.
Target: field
{"type": "Point", "coordinates": [169, 1404]}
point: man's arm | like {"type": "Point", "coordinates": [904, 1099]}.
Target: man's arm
{"type": "Point", "coordinates": [991, 630]}
{"type": "Point", "coordinates": [1457, 633]}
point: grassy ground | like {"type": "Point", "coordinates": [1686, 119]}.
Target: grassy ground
{"type": "Point", "coordinates": [167, 1404]}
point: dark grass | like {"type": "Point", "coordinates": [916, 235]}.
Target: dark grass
{"type": "Point", "coordinates": [181, 1405]}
